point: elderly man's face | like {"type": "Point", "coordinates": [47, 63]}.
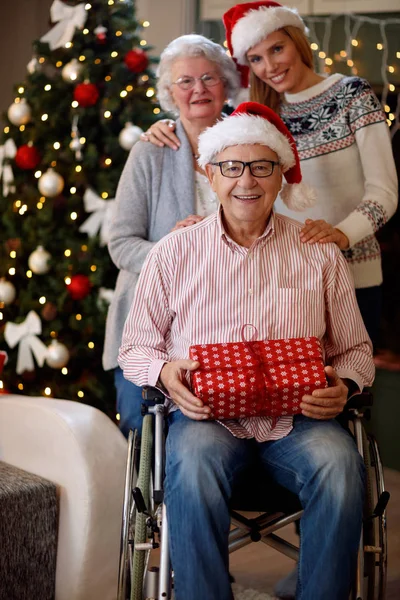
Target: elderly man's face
{"type": "Point", "coordinates": [246, 199]}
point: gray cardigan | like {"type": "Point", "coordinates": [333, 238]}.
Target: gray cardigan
{"type": "Point", "coordinates": [155, 191]}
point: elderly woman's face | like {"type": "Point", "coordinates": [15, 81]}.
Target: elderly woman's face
{"type": "Point", "coordinates": [199, 102]}
{"type": "Point", "coordinates": [246, 199]}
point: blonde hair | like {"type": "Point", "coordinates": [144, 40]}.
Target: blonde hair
{"type": "Point", "coordinates": [263, 93]}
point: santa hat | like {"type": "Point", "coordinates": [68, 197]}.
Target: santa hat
{"type": "Point", "coordinates": [253, 123]}
{"type": "Point", "coordinates": [250, 23]}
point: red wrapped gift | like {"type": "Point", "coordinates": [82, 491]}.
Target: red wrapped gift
{"type": "Point", "coordinates": [257, 378]}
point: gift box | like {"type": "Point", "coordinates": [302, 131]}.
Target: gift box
{"type": "Point", "coordinates": [258, 378]}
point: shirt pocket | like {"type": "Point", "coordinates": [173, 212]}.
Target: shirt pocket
{"type": "Point", "coordinates": [297, 312]}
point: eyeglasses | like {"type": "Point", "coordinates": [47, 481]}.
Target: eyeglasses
{"type": "Point", "coordinates": [235, 168]}
{"type": "Point", "coordinates": [208, 79]}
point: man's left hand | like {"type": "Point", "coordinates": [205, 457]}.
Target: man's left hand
{"type": "Point", "coordinates": [329, 402]}
{"type": "Point", "coordinates": [322, 232]}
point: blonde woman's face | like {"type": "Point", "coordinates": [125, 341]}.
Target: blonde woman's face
{"type": "Point", "coordinates": [277, 62]}
{"type": "Point", "coordinates": [200, 102]}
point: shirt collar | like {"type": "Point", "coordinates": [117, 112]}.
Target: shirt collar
{"type": "Point", "coordinates": [262, 240]}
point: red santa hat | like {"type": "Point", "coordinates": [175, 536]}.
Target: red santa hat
{"type": "Point", "coordinates": [250, 23]}
{"type": "Point", "coordinates": [253, 123]}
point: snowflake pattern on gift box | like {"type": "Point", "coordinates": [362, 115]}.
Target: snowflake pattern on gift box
{"type": "Point", "coordinates": [258, 378]}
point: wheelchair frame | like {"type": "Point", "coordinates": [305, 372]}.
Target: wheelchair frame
{"type": "Point", "coordinates": [145, 528]}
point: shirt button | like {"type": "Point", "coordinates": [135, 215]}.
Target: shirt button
{"type": "Point", "coordinates": [251, 292]}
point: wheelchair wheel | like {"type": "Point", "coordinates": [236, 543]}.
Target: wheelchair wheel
{"type": "Point", "coordinates": [139, 559]}
{"type": "Point", "coordinates": [375, 538]}
{"type": "Point", "coordinates": [128, 517]}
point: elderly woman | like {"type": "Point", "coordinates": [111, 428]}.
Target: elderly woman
{"type": "Point", "coordinates": [200, 285]}
{"type": "Point", "coordinates": [161, 190]}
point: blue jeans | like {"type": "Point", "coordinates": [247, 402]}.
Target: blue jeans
{"type": "Point", "coordinates": [129, 403]}
{"type": "Point", "coordinates": [318, 461]}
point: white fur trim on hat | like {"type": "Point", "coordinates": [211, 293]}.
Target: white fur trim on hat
{"type": "Point", "coordinates": [298, 196]}
{"type": "Point", "coordinates": [257, 24]}
{"type": "Point", "coordinates": [244, 129]}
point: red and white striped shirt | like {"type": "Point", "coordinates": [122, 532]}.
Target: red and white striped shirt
{"type": "Point", "coordinates": [198, 286]}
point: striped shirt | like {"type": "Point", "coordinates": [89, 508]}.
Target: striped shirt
{"type": "Point", "coordinates": [198, 286]}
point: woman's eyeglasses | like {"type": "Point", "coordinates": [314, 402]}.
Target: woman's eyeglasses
{"type": "Point", "coordinates": [208, 79]}
{"type": "Point", "coordinates": [235, 168]}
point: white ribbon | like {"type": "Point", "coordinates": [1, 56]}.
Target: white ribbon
{"type": "Point", "coordinates": [101, 217]}
{"type": "Point", "coordinates": [9, 150]}
{"type": "Point", "coordinates": [25, 334]}
{"type": "Point", "coordinates": [106, 295]}
{"type": "Point", "coordinates": [68, 18]}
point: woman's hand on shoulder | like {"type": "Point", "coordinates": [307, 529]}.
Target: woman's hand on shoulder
{"type": "Point", "coordinates": [322, 232]}
{"type": "Point", "coordinates": [190, 220]}
{"type": "Point", "coordinates": [162, 133]}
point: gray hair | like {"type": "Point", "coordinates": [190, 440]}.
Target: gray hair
{"type": "Point", "coordinates": [194, 45]}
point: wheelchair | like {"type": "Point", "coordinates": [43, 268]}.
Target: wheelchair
{"type": "Point", "coordinates": [144, 566]}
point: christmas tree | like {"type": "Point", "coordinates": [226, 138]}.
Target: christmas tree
{"type": "Point", "coordinates": [88, 93]}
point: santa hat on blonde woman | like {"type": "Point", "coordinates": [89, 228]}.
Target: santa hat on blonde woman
{"type": "Point", "coordinates": [253, 123]}
{"type": "Point", "coordinates": [250, 23]}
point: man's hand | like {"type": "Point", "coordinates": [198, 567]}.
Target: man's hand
{"type": "Point", "coordinates": [327, 403]}
{"type": "Point", "coordinates": [162, 134]}
{"type": "Point", "coordinates": [172, 376]}
{"type": "Point", "coordinates": [322, 232]}
{"type": "Point", "coordinates": [190, 220]}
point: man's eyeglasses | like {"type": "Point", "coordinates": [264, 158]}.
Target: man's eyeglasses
{"type": "Point", "coordinates": [235, 168]}
{"type": "Point", "coordinates": [208, 79]}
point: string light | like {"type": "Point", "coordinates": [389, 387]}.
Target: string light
{"type": "Point", "coordinates": [67, 252]}
{"type": "Point", "coordinates": [118, 416]}
{"type": "Point", "coordinates": [78, 168]}
{"type": "Point", "coordinates": [93, 268]}
{"type": "Point", "coordinates": [91, 345]}
{"type": "Point", "coordinates": [114, 54]}
{"type": "Point", "coordinates": [78, 317]}
{"type": "Point", "coordinates": [85, 31]}
{"type": "Point", "coordinates": [129, 88]}
{"type": "Point", "coordinates": [352, 24]}
{"type": "Point", "coordinates": [143, 42]}
{"type": "Point", "coordinates": [146, 23]}
{"type": "Point", "coordinates": [74, 216]}
{"type": "Point", "coordinates": [39, 205]}
{"type": "Point", "coordinates": [97, 61]}
{"type": "Point", "coordinates": [22, 127]}
{"type": "Point", "coordinates": [156, 111]}
{"type": "Point", "coordinates": [123, 94]}
{"type": "Point", "coordinates": [21, 90]}
{"type": "Point", "coordinates": [6, 129]}
{"type": "Point", "coordinates": [47, 87]}
{"type": "Point", "coordinates": [107, 114]}
{"type": "Point", "coordinates": [72, 190]}
{"type": "Point", "coordinates": [108, 161]}
{"type": "Point", "coordinates": [21, 386]}
{"type": "Point", "coordinates": [29, 274]}
{"type": "Point", "coordinates": [56, 145]}
{"type": "Point", "coordinates": [69, 45]}
{"type": "Point", "coordinates": [82, 58]}
{"type": "Point", "coordinates": [42, 300]}
{"type": "Point", "coordinates": [74, 104]}
{"type": "Point", "coordinates": [150, 92]}
{"type": "Point", "coordinates": [41, 60]}
{"type": "Point", "coordinates": [104, 195]}
{"type": "Point", "coordinates": [64, 371]}
{"type": "Point", "coordinates": [59, 64]}
{"type": "Point", "coordinates": [53, 334]}
{"type": "Point", "coordinates": [67, 280]}
{"type": "Point", "coordinates": [13, 254]}
{"type": "Point", "coordinates": [118, 33]}
{"type": "Point", "coordinates": [47, 391]}
{"type": "Point", "coordinates": [107, 78]}
{"type": "Point", "coordinates": [11, 271]}
{"type": "Point", "coordinates": [44, 117]}
{"type": "Point", "coordinates": [81, 394]}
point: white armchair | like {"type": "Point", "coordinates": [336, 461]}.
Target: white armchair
{"type": "Point", "coordinates": [83, 452]}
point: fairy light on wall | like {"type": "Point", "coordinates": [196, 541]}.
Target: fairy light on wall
{"type": "Point", "coordinates": [321, 43]}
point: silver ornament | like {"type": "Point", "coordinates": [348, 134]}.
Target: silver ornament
{"type": "Point", "coordinates": [19, 113]}
{"type": "Point", "coordinates": [57, 355]}
{"type": "Point", "coordinates": [129, 135]}
{"type": "Point", "coordinates": [7, 291]}
{"type": "Point", "coordinates": [51, 183]}
{"type": "Point", "coordinates": [38, 261]}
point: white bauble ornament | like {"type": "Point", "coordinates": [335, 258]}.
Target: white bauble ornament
{"type": "Point", "coordinates": [71, 71]}
{"type": "Point", "coordinates": [129, 135]}
{"type": "Point", "coordinates": [19, 113]}
{"type": "Point", "coordinates": [7, 291]}
{"type": "Point", "coordinates": [32, 65]}
{"type": "Point", "coordinates": [51, 183]}
{"type": "Point", "coordinates": [38, 261]}
{"type": "Point", "coordinates": [57, 355]}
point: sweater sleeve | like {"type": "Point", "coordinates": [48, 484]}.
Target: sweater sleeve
{"type": "Point", "coordinates": [128, 244]}
{"type": "Point", "coordinates": [346, 342]}
{"type": "Point", "coordinates": [379, 201]}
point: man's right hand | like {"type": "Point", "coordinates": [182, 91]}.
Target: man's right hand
{"type": "Point", "coordinates": [173, 378]}
{"type": "Point", "coordinates": [162, 133]}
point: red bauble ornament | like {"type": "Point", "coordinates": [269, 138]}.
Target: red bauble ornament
{"type": "Point", "coordinates": [86, 94]}
{"type": "Point", "coordinates": [136, 60]}
{"type": "Point", "coordinates": [79, 287]}
{"type": "Point", "coordinates": [27, 157]}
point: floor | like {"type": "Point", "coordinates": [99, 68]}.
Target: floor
{"type": "Point", "coordinates": [257, 566]}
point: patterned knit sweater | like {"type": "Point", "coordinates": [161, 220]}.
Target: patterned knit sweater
{"type": "Point", "coordinates": [346, 155]}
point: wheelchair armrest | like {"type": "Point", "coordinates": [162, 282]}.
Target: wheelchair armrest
{"type": "Point", "coordinates": [361, 400]}
{"type": "Point", "coordinates": [153, 394]}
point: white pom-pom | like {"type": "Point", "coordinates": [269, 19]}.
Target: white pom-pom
{"type": "Point", "coordinates": [298, 196]}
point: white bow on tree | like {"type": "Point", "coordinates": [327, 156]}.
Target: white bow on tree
{"type": "Point", "coordinates": [67, 19]}
{"type": "Point", "coordinates": [9, 150]}
{"type": "Point", "coordinates": [25, 334]}
{"type": "Point", "coordinates": [101, 217]}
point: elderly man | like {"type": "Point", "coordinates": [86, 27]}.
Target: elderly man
{"type": "Point", "coordinates": [200, 285]}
